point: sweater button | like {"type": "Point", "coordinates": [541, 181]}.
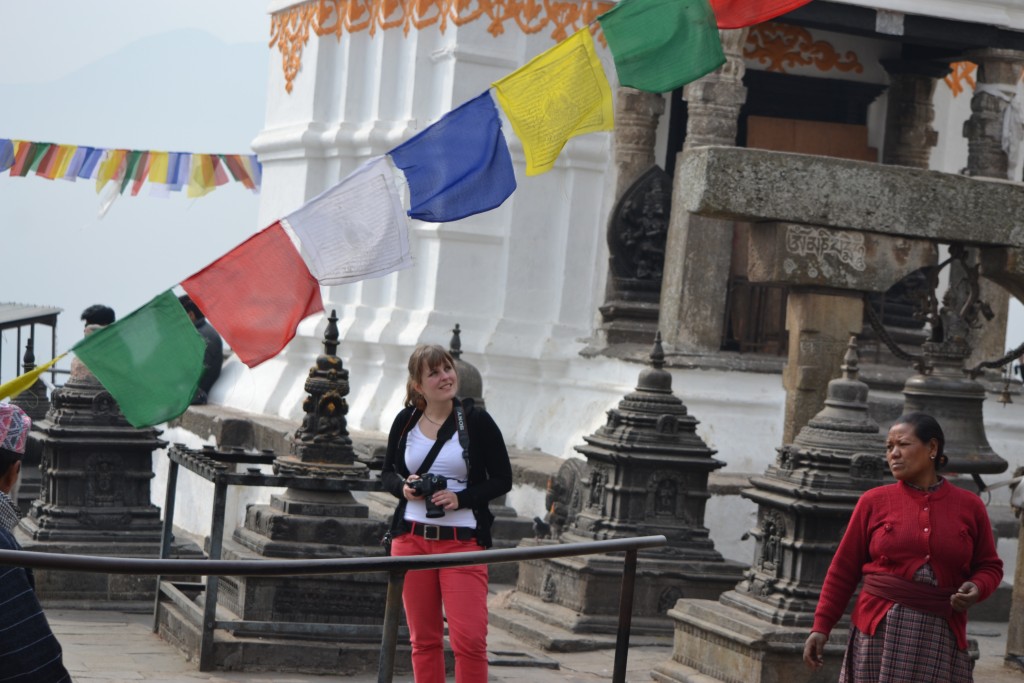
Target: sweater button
{"type": "Point", "coordinates": [926, 529]}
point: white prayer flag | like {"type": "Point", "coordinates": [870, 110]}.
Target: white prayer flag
{"type": "Point", "coordinates": [355, 230]}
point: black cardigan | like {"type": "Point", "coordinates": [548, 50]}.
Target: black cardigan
{"type": "Point", "coordinates": [490, 472]}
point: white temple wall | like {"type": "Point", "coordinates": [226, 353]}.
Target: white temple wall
{"type": "Point", "coordinates": [523, 281]}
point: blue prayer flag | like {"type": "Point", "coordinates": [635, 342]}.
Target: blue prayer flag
{"type": "Point", "coordinates": [92, 158]}
{"type": "Point", "coordinates": [6, 154]}
{"type": "Point", "coordinates": [459, 166]}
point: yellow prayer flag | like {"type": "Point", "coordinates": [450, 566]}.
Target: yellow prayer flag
{"type": "Point", "coordinates": [158, 167]}
{"type": "Point", "coordinates": [201, 180]}
{"type": "Point", "coordinates": [111, 168]}
{"type": "Point", "coordinates": [560, 93]}
{"type": "Point", "coordinates": [19, 384]}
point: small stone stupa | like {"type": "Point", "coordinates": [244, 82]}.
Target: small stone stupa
{"type": "Point", "coordinates": [756, 631]}
{"type": "Point", "coordinates": [646, 473]}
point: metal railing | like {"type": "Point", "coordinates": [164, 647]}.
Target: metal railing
{"type": "Point", "coordinates": [396, 567]}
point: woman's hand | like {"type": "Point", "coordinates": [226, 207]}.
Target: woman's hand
{"type": "Point", "coordinates": [446, 500]}
{"type": "Point", "coordinates": [965, 597]}
{"type": "Point", "coordinates": [408, 492]}
{"type": "Point", "coordinates": [814, 650]}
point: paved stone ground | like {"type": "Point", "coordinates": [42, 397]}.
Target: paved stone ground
{"type": "Point", "coordinates": [116, 647]}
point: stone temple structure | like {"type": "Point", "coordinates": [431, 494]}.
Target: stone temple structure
{"type": "Point", "coordinates": [646, 473]}
{"type": "Point", "coordinates": [94, 496]}
{"type": "Point", "coordinates": [755, 632]}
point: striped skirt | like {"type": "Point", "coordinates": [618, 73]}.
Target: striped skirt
{"type": "Point", "coordinates": [908, 647]}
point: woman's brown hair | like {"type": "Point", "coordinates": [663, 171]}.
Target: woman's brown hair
{"type": "Point", "coordinates": [424, 356]}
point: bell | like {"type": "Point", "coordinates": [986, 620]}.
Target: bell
{"type": "Point", "coordinates": [953, 399]}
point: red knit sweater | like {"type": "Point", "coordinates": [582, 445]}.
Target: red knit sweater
{"type": "Point", "coordinates": [895, 529]}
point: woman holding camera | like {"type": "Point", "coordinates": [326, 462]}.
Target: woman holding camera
{"type": "Point", "coordinates": [445, 461]}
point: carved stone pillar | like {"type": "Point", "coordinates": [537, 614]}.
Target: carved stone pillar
{"type": "Point", "coordinates": [909, 136]}
{"type": "Point", "coordinates": [638, 223]}
{"type": "Point", "coordinates": [820, 325]}
{"type": "Point", "coordinates": [636, 126]}
{"type": "Point", "coordinates": [698, 251]}
{"type": "Point", "coordinates": [998, 73]}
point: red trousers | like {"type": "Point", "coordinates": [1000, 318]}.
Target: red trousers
{"type": "Point", "coordinates": [461, 592]}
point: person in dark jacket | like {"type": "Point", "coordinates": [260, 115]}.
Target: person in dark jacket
{"type": "Point", "coordinates": [29, 652]}
{"type": "Point", "coordinates": [445, 461]}
{"type": "Point", "coordinates": [213, 359]}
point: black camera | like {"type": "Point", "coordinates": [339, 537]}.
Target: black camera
{"type": "Point", "coordinates": [426, 486]}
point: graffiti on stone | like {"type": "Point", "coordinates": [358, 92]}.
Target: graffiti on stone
{"type": "Point", "coordinates": [824, 245]}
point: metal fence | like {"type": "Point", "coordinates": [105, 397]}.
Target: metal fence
{"type": "Point", "coordinates": [396, 567]}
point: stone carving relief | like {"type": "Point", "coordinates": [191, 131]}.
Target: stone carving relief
{"type": "Point", "coordinates": [597, 478]}
{"type": "Point", "coordinates": [547, 593]}
{"type": "Point", "coordinates": [781, 46]}
{"type": "Point", "coordinates": [668, 598]}
{"type": "Point", "coordinates": [773, 529]}
{"type": "Point", "coordinates": [823, 245]}
{"type": "Point", "coordinates": [564, 497]}
{"type": "Point", "coordinates": [667, 424]}
{"type": "Point", "coordinates": [867, 466]}
{"type": "Point", "coordinates": [104, 484]}
{"type": "Point", "coordinates": [638, 227]}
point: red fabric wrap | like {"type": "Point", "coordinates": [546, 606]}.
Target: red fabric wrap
{"type": "Point", "coordinates": [913, 594]}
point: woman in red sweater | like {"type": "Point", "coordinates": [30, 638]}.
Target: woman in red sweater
{"type": "Point", "coordinates": [926, 553]}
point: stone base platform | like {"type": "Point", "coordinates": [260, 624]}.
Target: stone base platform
{"type": "Point", "coordinates": [180, 624]}
{"type": "Point", "coordinates": [86, 590]}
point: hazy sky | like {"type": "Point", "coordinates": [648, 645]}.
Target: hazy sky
{"type": "Point", "coordinates": [185, 75]}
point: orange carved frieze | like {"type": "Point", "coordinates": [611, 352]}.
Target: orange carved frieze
{"type": "Point", "coordinates": [290, 28]}
{"type": "Point", "coordinates": [782, 47]}
{"type": "Point", "coordinates": [961, 73]}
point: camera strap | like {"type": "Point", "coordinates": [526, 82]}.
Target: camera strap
{"type": "Point", "coordinates": [442, 438]}
{"type": "Point", "coordinates": [443, 435]}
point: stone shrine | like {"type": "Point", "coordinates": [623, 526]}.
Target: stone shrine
{"type": "Point", "coordinates": [94, 496]}
{"type": "Point", "coordinates": [646, 473]}
{"type": "Point", "coordinates": [755, 632]}
{"type": "Point", "coordinates": [307, 523]}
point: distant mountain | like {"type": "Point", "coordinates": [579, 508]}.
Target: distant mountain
{"type": "Point", "coordinates": [182, 90]}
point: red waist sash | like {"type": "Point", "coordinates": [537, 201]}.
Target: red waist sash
{"type": "Point", "coordinates": [922, 597]}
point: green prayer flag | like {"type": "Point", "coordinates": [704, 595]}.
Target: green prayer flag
{"type": "Point", "coordinates": [660, 45]}
{"type": "Point", "coordinates": [150, 360]}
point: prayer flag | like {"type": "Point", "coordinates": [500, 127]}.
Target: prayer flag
{"type": "Point", "coordinates": [91, 162]}
{"type": "Point", "coordinates": [131, 168]}
{"type": "Point", "coordinates": [201, 178]}
{"type": "Point", "coordinates": [6, 154]}
{"type": "Point", "coordinates": [22, 154]}
{"type": "Point", "coordinates": [64, 158]}
{"type": "Point", "coordinates": [558, 94]}
{"type": "Point", "coordinates": [220, 176]}
{"type": "Point", "coordinates": [661, 45]}
{"type": "Point", "coordinates": [355, 230]}
{"type": "Point", "coordinates": [42, 152]}
{"type": "Point", "coordinates": [158, 168]}
{"type": "Point", "coordinates": [256, 294]}
{"type": "Point", "coordinates": [150, 360]}
{"type": "Point", "coordinates": [12, 388]}
{"type": "Point", "coordinates": [740, 13]}
{"type": "Point", "coordinates": [459, 166]}
{"type": "Point", "coordinates": [111, 168]}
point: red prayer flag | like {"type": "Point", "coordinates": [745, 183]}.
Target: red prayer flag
{"type": "Point", "coordinates": [22, 154]}
{"type": "Point", "coordinates": [740, 13]}
{"type": "Point", "coordinates": [256, 294]}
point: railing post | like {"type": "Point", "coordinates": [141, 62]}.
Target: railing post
{"type": "Point", "coordinates": [389, 636]}
{"type": "Point", "coordinates": [625, 616]}
{"type": "Point", "coordinates": [166, 533]}
{"type": "Point", "coordinates": [220, 496]}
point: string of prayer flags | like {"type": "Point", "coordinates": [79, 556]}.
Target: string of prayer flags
{"type": "Point", "coordinates": [13, 387]}
{"type": "Point", "coordinates": [170, 171]}
{"type": "Point", "coordinates": [355, 230]}
{"type": "Point", "coordinates": [6, 155]}
{"type": "Point", "coordinates": [459, 166]}
{"type": "Point", "coordinates": [257, 294]}
{"type": "Point", "coordinates": [741, 13]}
{"type": "Point", "coordinates": [560, 93]}
{"type": "Point", "coordinates": [660, 45]}
{"type": "Point", "coordinates": [150, 361]}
